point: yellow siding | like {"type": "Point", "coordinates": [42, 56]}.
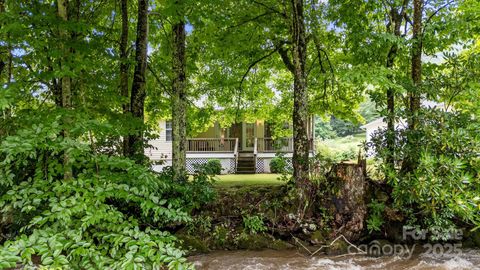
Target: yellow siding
{"type": "Point", "coordinates": [211, 132]}
{"type": "Point", "coordinates": [260, 129]}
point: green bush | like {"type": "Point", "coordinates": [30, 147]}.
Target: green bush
{"type": "Point", "coordinates": [375, 217]}
{"type": "Point", "coordinates": [347, 155]}
{"type": "Point", "coordinates": [443, 187]}
{"type": "Point", "coordinates": [278, 164]}
{"type": "Point", "coordinates": [111, 214]}
{"type": "Point", "coordinates": [253, 224]}
{"type": "Point", "coordinates": [212, 167]}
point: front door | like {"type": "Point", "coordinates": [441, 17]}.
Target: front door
{"type": "Point", "coordinates": [248, 138]}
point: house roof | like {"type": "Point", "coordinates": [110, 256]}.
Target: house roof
{"type": "Point", "coordinates": [375, 123]}
{"type": "Point", "coordinates": [379, 122]}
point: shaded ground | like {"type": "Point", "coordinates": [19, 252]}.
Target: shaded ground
{"type": "Point", "coordinates": [251, 212]}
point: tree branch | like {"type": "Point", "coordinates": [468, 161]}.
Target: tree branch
{"type": "Point", "coordinates": [159, 81]}
{"type": "Point", "coordinates": [270, 8]}
{"type": "Point", "coordinates": [435, 13]}
{"type": "Point", "coordinates": [253, 64]}
{"type": "Point", "coordinates": [285, 58]}
{"type": "Point", "coordinates": [251, 19]}
{"type": "Point", "coordinates": [167, 90]}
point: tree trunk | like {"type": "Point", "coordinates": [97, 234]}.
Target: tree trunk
{"type": "Point", "coordinates": [137, 99]}
{"type": "Point", "coordinates": [417, 46]}
{"type": "Point", "coordinates": [409, 163]}
{"type": "Point", "coordinates": [179, 102]}
{"type": "Point", "coordinates": [6, 56]}
{"type": "Point", "coordinates": [65, 80]}
{"type": "Point", "coordinates": [2, 50]}
{"type": "Point", "coordinates": [396, 19]}
{"type": "Point", "coordinates": [124, 66]}
{"type": "Point", "coordinates": [65, 84]}
{"type": "Point", "coordinates": [300, 110]}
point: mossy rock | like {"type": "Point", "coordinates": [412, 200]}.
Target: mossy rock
{"type": "Point", "coordinates": [278, 244]}
{"type": "Point", "coordinates": [317, 237]}
{"type": "Point", "coordinates": [471, 239]}
{"type": "Point", "coordinates": [338, 247]}
{"type": "Point", "coordinates": [254, 241]}
{"type": "Point", "coordinates": [194, 244]}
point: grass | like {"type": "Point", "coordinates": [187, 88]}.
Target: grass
{"type": "Point", "coordinates": [343, 144]}
{"type": "Point", "coordinates": [263, 179]}
{"type": "Point", "coordinates": [337, 145]}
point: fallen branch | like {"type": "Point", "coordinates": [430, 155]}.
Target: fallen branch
{"type": "Point", "coordinates": [336, 239]}
{"type": "Point", "coordinates": [296, 240]}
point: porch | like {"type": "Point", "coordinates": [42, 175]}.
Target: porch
{"type": "Point", "coordinates": [231, 145]}
{"type": "Point", "coordinates": [238, 159]}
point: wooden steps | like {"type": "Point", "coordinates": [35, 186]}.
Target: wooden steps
{"type": "Point", "coordinates": [245, 163]}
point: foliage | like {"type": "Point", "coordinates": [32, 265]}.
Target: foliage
{"type": "Point", "coordinates": [279, 164]}
{"type": "Point", "coordinates": [212, 167]}
{"type": "Point", "coordinates": [253, 224]}
{"type": "Point", "coordinates": [200, 225]}
{"type": "Point", "coordinates": [336, 127]}
{"type": "Point", "coordinates": [375, 217]}
{"type": "Point", "coordinates": [191, 193]}
{"type": "Point", "coordinates": [324, 129]}
{"type": "Point", "coordinates": [109, 215]}
{"type": "Point", "coordinates": [443, 188]}
{"type": "Point", "coordinates": [336, 155]}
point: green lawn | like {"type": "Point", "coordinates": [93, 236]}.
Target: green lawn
{"type": "Point", "coordinates": [230, 180]}
{"type": "Point", "coordinates": [342, 144]}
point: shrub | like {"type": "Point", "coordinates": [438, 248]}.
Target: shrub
{"type": "Point", "coordinates": [212, 167]}
{"type": "Point", "coordinates": [375, 217]}
{"type": "Point", "coordinates": [347, 155]}
{"type": "Point", "coordinates": [253, 224]}
{"type": "Point", "coordinates": [444, 184]}
{"type": "Point", "coordinates": [108, 215]}
{"type": "Point", "coordinates": [191, 193]}
{"type": "Point", "coordinates": [336, 155]}
{"type": "Point", "coordinates": [278, 164]}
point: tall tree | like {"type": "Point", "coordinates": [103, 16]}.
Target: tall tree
{"type": "Point", "coordinates": [300, 117]}
{"type": "Point", "coordinates": [65, 80]}
{"type": "Point", "coordinates": [410, 160]}
{"type": "Point", "coordinates": [66, 87]}
{"type": "Point", "coordinates": [417, 46]}
{"type": "Point", "coordinates": [259, 43]}
{"type": "Point", "coordinates": [137, 99]}
{"type": "Point", "coordinates": [394, 24]}
{"type": "Point", "coordinates": [124, 66]}
{"type": "Point", "coordinates": [179, 99]}
{"type": "Point", "coordinates": [3, 62]}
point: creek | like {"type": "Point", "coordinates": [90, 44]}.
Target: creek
{"type": "Point", "coordinates": [293, 259]}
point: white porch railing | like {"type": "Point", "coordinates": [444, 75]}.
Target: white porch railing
{"type": "Point", "coordinates": [266, 145]}
{"type": "Point", "coordinates": [212, 145]}
{"type": "Point", "coordinates": [231, 145]}
{"type": "Point", "coordinates": [270, 145]}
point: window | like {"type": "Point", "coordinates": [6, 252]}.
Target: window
{"type": "Point", "coordinates": [168, 131]}
{"type": "Point", "coordinates": [268, 130]}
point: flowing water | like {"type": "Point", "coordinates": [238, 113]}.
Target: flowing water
{"type": "Point", "coordinates": [292, 259]}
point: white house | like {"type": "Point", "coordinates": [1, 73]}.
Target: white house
{"type": "Point", "coordinates": [242, 148]}
{"type": "Point", "coordinates": [380, 123]}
